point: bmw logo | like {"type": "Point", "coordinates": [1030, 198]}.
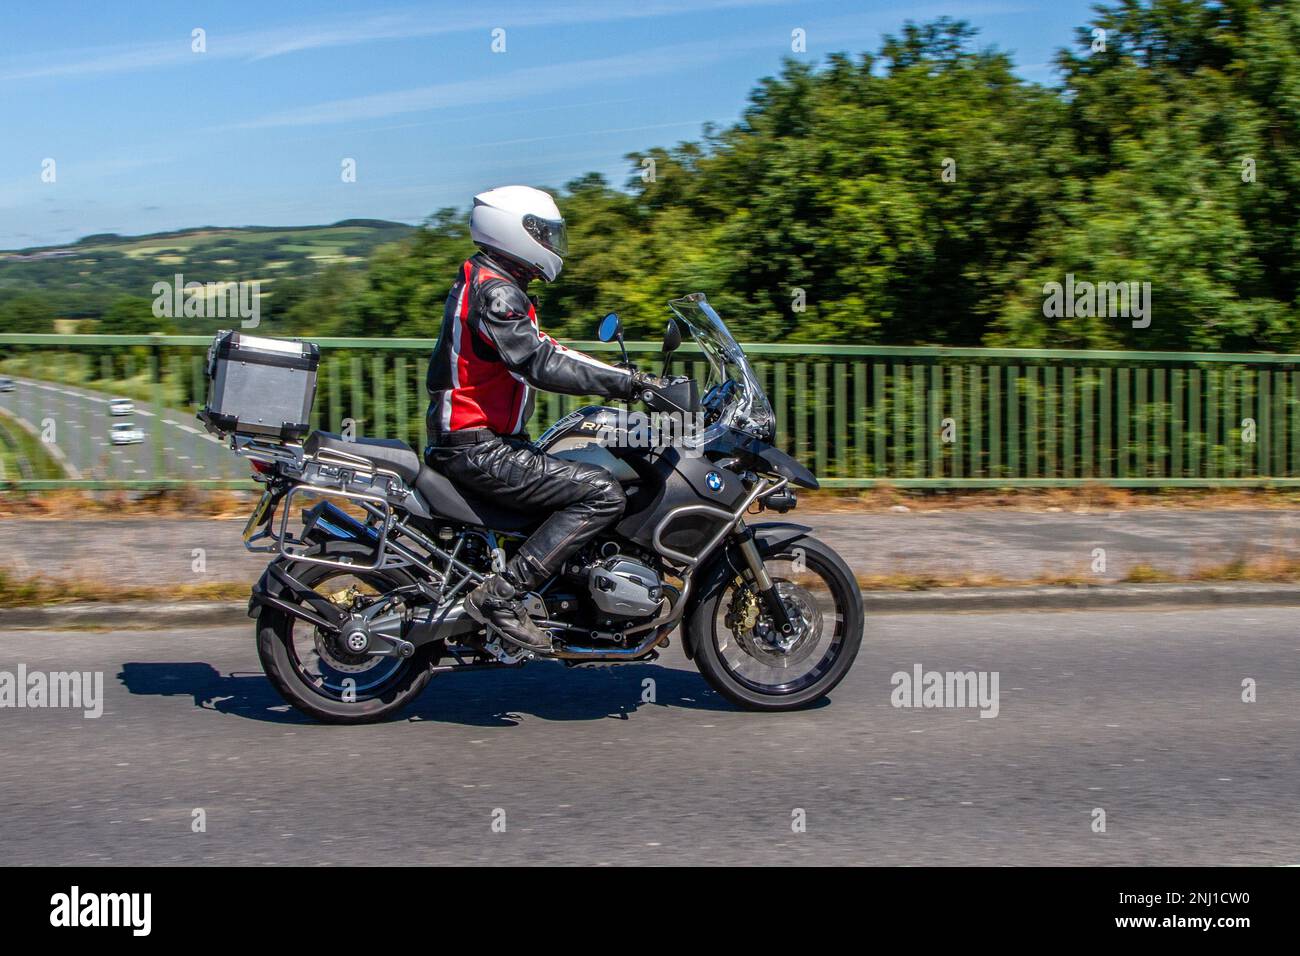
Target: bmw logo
{"type": "Point", "coordinates": [714, 481]}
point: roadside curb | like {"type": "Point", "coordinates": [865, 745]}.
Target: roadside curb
{"type": "Point", "coordinates": [1098, 597]}
{"type": "Point", "coordinates": [143, 615]}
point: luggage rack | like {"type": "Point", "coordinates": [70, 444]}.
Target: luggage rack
{"type": "Point", "coordinates": [288, 455]}
{"type": "Point", "coordinates": [326, 476]}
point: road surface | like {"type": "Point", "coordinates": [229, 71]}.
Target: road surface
{"type": "Point", "coordinates": [1136, 714]}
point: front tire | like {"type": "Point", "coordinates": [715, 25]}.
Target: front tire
{"type": "Point", "coordinates": [758, 675]}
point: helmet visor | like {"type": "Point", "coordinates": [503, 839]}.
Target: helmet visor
{"type": "Point", "coordinates": [549, 232]}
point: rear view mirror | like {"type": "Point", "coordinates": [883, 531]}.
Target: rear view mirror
{"type": "Point", "coordinates": [672, 338]}
{"type": "Point", "coordinates": [610, 328]}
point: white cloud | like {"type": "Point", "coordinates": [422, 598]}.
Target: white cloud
{"type": "Point", "coordinates": [343, 31]}
{"type": "Point", "coordinates": [528, 81]}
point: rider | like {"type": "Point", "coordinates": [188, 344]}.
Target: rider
{"type": "Point", "coordinates": [490, 355]}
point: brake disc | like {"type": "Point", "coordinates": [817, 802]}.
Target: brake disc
{"type": "Point", "coordinates": [762, 640]}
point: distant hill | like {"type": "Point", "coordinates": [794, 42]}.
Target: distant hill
{"type": "Point", "coordinates": [382, 230]}
{"type": "Point", "coordinates": [82, 279]}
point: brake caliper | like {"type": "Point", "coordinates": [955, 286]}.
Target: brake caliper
{"type": "Point", "coordinates": [743, 614]}
{"type": "Point", "coordinates": [346, 597]}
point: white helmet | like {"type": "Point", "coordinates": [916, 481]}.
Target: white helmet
{"type": "Point", "coordinates": [522, 223]}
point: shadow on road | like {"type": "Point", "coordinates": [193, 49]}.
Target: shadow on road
{"type": "Point", "coordinates": [546, 690]}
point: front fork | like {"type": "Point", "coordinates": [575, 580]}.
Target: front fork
{"type": "Point", "coordinates": [762, 580]}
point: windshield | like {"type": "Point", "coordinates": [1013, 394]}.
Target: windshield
{"type": "Point", "coordinates": [733, 396]}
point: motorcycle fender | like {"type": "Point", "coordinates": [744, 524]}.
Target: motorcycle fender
{"type": "Point", "coordinates": [726, 564]}
{"type": "Point", "coordinates": [785, 466]}
{"type": "Point", "coordinates": [280, 589]}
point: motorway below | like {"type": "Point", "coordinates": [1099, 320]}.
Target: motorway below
{"type": "Point", "coordinates": [81, 425]}
{"type": "Point", "coordinates": [1138, 714]}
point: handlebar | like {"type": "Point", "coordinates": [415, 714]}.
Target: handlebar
{"type": "Point", "coordinates": [681, 395]}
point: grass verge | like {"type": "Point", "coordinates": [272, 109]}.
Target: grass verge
{"type": "Point", "coordinates": [71, 503]}
{"type": "Point", "coordinates": [139, 386]}
{"type": "Point", "coordinates": [23, 455]}
{"type": "Point", "coordinates": [20, 591]}
{"type": "Point", "coordinates": [1269, 569]}
{"type": "Point", "coordinates": [166, 502]}
{"type": "Point", "coordinates": [1085, 499]}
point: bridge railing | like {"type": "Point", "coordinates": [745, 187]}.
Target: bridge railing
{"type": "Point", "coordinates": [858, 415]}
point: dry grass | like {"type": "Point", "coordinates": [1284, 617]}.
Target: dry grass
{"type": "Point", "coordinates": [1147, 574]}
{"type": "Point", "coordinates": [25, 591]}
{"type": "Point", "coordinates": [928, 581]}
{"type": "Point", "coordinates": [1276, 568]}
{"type": "Point", "coordinates": [1087, 498]}
{"type": "Point", "coordinates": [28, 591]}
{"type": "Point", "coordinates": [179, 502]}
{"type": "Point", "coordinates": [172, 502]}
{"type": "Point", "coordinates": [1270, 569]}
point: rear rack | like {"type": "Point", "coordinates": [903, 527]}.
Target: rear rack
{"type": "Point", "coordinates": [325, 475]}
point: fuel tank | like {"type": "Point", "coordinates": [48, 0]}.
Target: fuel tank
{"type": "Point", "coordinates": [659, 480]}
{"type": "Point", "coordinates": [602, 436]}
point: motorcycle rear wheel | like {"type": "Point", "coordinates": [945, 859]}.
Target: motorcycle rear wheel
{"type": "Point", "coordinates": [284, 642]}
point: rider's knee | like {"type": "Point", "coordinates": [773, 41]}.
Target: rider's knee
{"type": "Point", "coordinates": [607, 496]}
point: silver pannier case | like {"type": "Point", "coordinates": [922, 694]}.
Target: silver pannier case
{"type": "Point", "coordinates": [259, 386]}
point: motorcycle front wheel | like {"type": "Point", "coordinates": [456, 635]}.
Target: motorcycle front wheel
{"type": "Point", "coordinates": [750, 662]}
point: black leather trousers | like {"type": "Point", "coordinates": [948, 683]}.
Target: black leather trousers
{"type": "Point", "coordinates": [582, 499]}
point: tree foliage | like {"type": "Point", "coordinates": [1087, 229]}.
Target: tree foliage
{"type": "Point", "coordinates": [924, 194]}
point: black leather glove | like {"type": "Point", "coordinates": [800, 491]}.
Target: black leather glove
{"type": "Point", "coordinates": [641, 382]}
{"type": "Point", "coordinates": [673, 393]}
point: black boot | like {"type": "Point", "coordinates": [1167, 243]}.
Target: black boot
{"type": "Point", "coordinates": [497, 603]}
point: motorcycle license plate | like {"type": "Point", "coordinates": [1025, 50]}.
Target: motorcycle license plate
{"type": "Point", "coordinates": [259, 516]}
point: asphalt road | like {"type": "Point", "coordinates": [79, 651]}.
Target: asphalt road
{"type": "Point", "coordinates": [1016, 545]}
{"type": "Point", "coordinates": [81, 425]}
{"type": "Point", "coordinates": [1138, 714]}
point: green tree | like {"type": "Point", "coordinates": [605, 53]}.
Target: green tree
{"type": "Point", "coordinates": [27, 313]}
{"type": "Point", "coordinates": [132, 315]}
{"type": "Point", "coordinates": [923, 193]}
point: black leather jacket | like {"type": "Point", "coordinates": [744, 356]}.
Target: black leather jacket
{"type": "Point", "coordinates": [491, 354]}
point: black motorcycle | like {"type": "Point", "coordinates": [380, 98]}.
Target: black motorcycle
{"type": "Point", "coordinates": [363, 604]}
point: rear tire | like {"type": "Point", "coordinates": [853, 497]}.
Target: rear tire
{"type": "Point", "coordinates": [281, 663]}
{"type": "Point", "coordinates": [708, 636]}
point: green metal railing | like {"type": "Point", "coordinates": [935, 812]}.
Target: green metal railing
{"type": "Point", "coordinates": [858, 415]}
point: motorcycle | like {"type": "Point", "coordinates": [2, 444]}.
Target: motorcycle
{"type": "Point", "coordinates": [364, 602]}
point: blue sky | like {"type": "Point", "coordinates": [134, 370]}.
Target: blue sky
{"type": "Point", "coordinates": [148, 135]}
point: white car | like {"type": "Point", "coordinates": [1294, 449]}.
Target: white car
{"type": "Point", "coordinates": [121, 406]}
{"type": "Point", "coordinates": [126, 433]}
{"type": "Point", "coordinates": [6, 385]}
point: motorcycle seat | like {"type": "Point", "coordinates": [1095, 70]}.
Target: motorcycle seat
{"type": "Point", "coordinates": [438, 491]}
{"type": "Point", "coordinates": [443, 497]}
